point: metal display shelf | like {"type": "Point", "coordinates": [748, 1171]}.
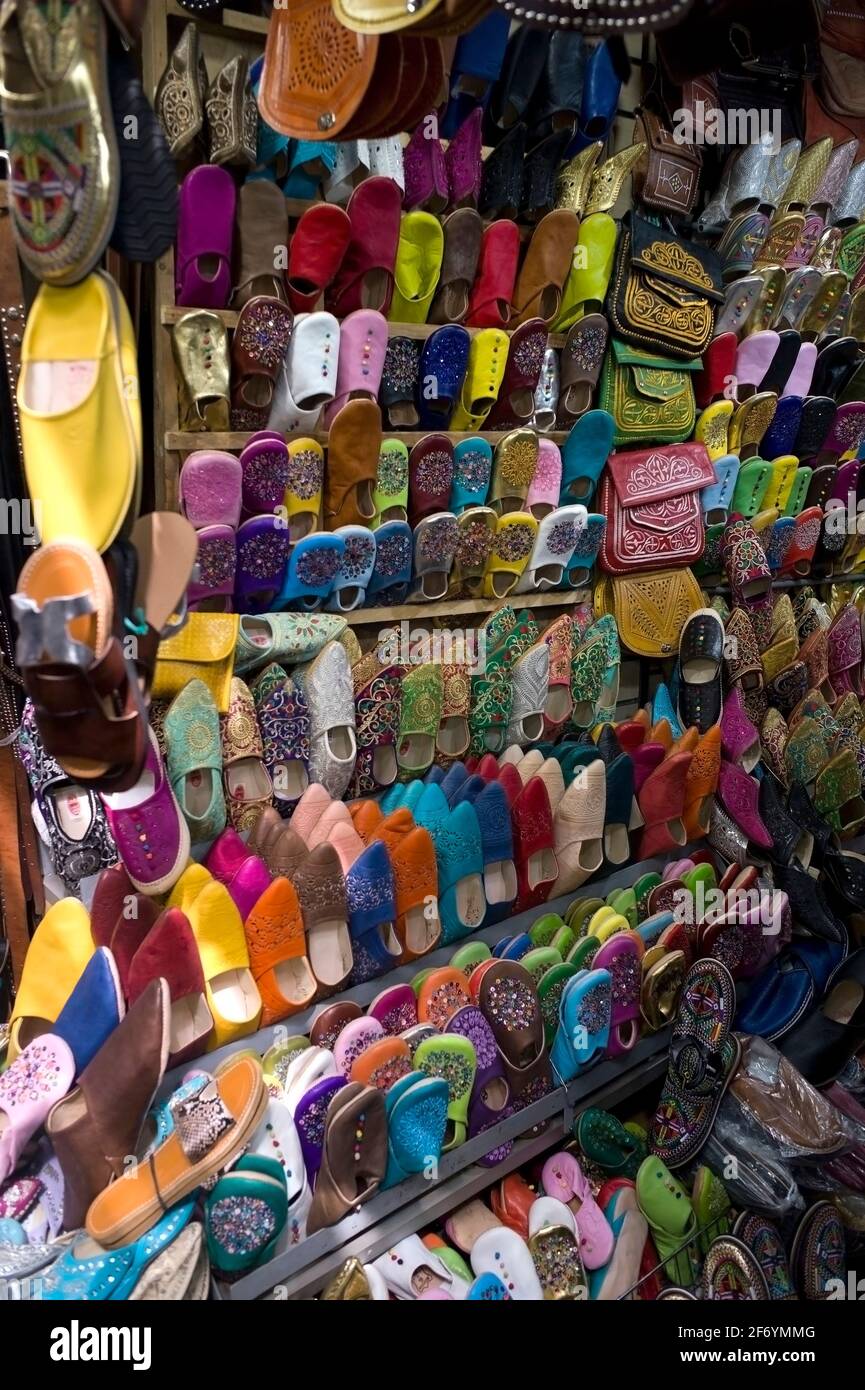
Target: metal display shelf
{"type": "Point", "coordinates": [398, 1212]}
{"type": "Point", "coordinates": [303, 1270]}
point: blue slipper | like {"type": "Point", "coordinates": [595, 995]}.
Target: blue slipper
{"type": "Point", "coordinates": [394, 546]}
{"type": "Point", "coordinates": [584, 453]}
{"type": "Point", "coordinates": [488, 1288]}
{"type": "Point", "coordinates": [478, 56]}
{"type": "Point", "coordinates": [413, 793]}
{"type": "Point", "coordinates": [601, 88]}
{"type": "Point", "coordinates": [453, 780]}
{"type": "Point", "coordinates": [664, 708]}
{"type": "Point", "coordinates": [416, 1124]}
{"type": "Point", "coordinates": [590, 538]}
{"type": "Point", "coordinates": [584, 1022]}
{"type": "Point", "coordinates": [620, 805]}
{"type": "Point", "coordinates": [392, 797]}
{"type": "Point", "coordinates": [313, 565]}
{"type": "Point", "coordinates": [780, 539]}
{"type": "Point", "coordinates": [517, 947]}
{"type": "Point", "coordinates": [112, 1274]}
{"type": "Point", "coordinates": [651, 929]}
{"type": "Point", "coordinates": [435, 774]}
{"type": "Point", "coordinates": [501, 946]}
{"type": "Point", "coordinates": [93, 1009]}
{"type": "Point", "coordinates": [780, 995]}
{"type": "Point", "coordinates": [355, 569]}
{"type": "Point", "coordinates": [443, 363]}
{"type": "Point", "coordinates": [371, 896]}
{"type": "Point", "coordinates": [715, 500]}
{"type": "Point", "coordinates": [470, 790]}
{"type": "Point", "coordinates": [459, 860]}
{"type": "Point", "coordinates": [500, 875]}
{"type": "Point", "coordinates": [473, 466]}
{"type": "Point", "coordinates": [784, 429]}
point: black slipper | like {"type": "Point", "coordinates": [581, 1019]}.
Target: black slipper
{"type": "Point", "coordinates": [146, 224]}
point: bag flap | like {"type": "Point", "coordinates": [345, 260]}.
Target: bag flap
{"type": "Point", "coordinates": [206, 637]}
{"type": "Point", "coordinates": [645, 477]}
{"type": "Point", "coordinates": [695, 268]}
{"type": "Point", "coordinates": [659, 384]}
{"type": "Point", "coordinates": [651, 609]}
{"type": "Point", "coordinates": [661, 139]}
{"type": "Point", "coordinates": [630, 356]}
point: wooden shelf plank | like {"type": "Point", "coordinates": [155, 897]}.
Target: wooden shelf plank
{"type": "Point", "coordinates": [171, 313]}
{"type": "Point", "coordinates": [231, 21]}
{"type": "Point", "coordinates": [183, 442]}
{"type": "Point", "coordinates": [458, 607]}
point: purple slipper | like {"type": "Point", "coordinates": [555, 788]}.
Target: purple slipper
{"type": "Point", "coordinates": [309, 1118]}
{"type": "Point", "coordinates": [490, 1097]}
{"type": "Point", "coordinates": [847, 429]}
{"type": "Point", "coordinates": [205, 234]}
{"type": "Point", "coordinates": [262, 551]}
{"type": "Point", "coordinates": [754, 358]}
{"type": "Point", "coordinates": [151, 835]}
{"type": "Point", "coordinates": [264, 462]}
{"type": "Point", "coordinates": [216, 565]}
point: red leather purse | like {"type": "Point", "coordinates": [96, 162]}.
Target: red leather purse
{"type": "Point", "coordinates": [651, 499]}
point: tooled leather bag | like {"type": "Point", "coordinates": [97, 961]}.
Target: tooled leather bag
{"type": "Point", "coordinates": [664, 290]}
{"type": "Point", "coordinates": [651, 499]}
{"type": "Point", "coordinates": [668, 174]}
{"type": "Point", "coordinates": [650, 608]}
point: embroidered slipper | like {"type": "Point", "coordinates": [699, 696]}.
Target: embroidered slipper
{"type": "Point", "coordinates": [584, 1022]}
{"type": "Point", "coordinates": [329, 691]}
{"type": "Point", "coordinates": [732, 1271]}
{"type": "Point", "coordinates": [553, 549]}
{"type": "Point", "coordinates": [39, 1076]}
{"type": "Point", "coordinates": [392, 570]}
{"type": "Point", "coordinates": [378, 702]}
{"type": "Point", "coordinates": [547, 393]}
{"type": "Point", "coordinates": [321, 889]}
{"type": "Point", "coordinates": [420, 716]}
{"type": "Point", "coordinates": [703, 1058]}
{"type": "Point", "coordinates": [453, 1058]}
{"type": "Point", "coordinates": [283, 719]}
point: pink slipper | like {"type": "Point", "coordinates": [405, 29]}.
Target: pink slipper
{"type": "Point", "coordinates": [362, 347]}
{"type": "Point", "coordinates": [39, 1077]}
{"type": "Point", "coordinates": [309, 809]}
{"type": "Point", "coordinates": [564, 1179]}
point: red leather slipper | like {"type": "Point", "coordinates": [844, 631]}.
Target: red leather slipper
{"type": "Point", "coordinates": [365, 278]}
{"type": "Point", "coordinates": [512, 783]}
{"type": "Point", "coordinates": [534, 853]}
{"type": "Point", "coordinates": [113, 890]}
{"type": "Point", "coordinates": [492, 291]}
{"type": "Point", "coordinates": [316, 252]}
{"type": "Point", "coordinates": [135, 921]}
{"type": "Point", "coordinates": [430, 475]}
{"type": "Point", "coordinates": [719, 366]}
{"type": "Point", "coordinates": [516, 402]}
{"type": "Point", "coordinates": [170, 952]}
{"type": "Point", "coordinates": [662, 803]}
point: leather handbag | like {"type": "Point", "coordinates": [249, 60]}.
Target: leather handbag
{"type": "Point", "coordinates": [664, 290]}
{"type": "Point", "coordinates": [649, 396]}
{"type": "Point", "coordinates": [668, 174]}
{"type": "Point", "coordinates": [316, 72]}
{"type": "Point", "coordinates": [651, 499]}
{"type": "Point", "coordinates": [650, 609]}
{"type": "Point", "coordinates": [202, 650]}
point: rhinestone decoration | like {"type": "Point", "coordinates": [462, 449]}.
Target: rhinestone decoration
{"type": "Point", "coordinates": [265, 476]}
{"type": "Point", "coordinates": [513, 1004]}
{"type": "Point", "coordinates": [528, 355]}
{"type": "Point", "coordinates": [358, 558]}
{"type": "Point", "coordinates": [217, 560]}
{"type": "Point", "coordinates": [313, 1118]}
{"type": "Point", "coordinates": [514, 543]}
{"type": "Point", "coordinates": [401, 367]}
{"type": "Point", "coordinates": [475, 544]}
{"type": "Point", "coordinates": [625, 970]}
{"type": "Point", "coordinates": [393, 556]}
{"type": "Point", "coordinates": [593, 1013]}
{"type": "Point", "coordinates": [305, 471]}
{"type": "Point", "coordinates": [437, 543]}
{"type": "Point", "coordinates": [397, 1020]}
{"type": "Point", "coordinates": [561, 538]}
{"type": "Point", "coordinates": [472, 470]}
{"type": "Point", "coordinates": [264, 556]}
{"type": "Point", "coordinates": [263, 331]}
{"type": "Point", "coordinates": [392, 471]}
{"type": "Point", "coordinates": [444, 1002]}
{"type": "Point", "coordinates": [471, 1024]}
{"type": "Point", "coordinates": [457, 1070]}
{"type": "Point", "coordinates": [586, 348]}
{"type": "Point", "coordinates": [241, 1225]}
{"type": "Point", "coordinates": [383, 1077]}
{"type": "Point", "coordinates": [318, 566]}
{"type": "Point", "coordinates": [32, 1075]}
{"type": "Point", "coordinates": [433, 473]}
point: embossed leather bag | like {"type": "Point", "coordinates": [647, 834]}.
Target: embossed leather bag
{"type": "Point", "coordinates": [650, 397]}
{"type": "Point", "coordinates": [668, 175]}
{"type": "Point", "coordinates": [651, 499]}
{"type": "Point", "coordinates": [316, 72]}
{"type": "Point", "coordinates": [664, 290]}
{"type": "Point", "coordinates": [650, 609]}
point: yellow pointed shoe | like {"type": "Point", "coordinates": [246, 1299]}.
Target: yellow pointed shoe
{"type": "Point", "coordinates": [808, 175]}
{"type": "Point", "coordinates": [590, 272]}
{"type": "Point", "coordinates": [232, 994]}
{"type": "Point", "coordinates": [192, 881]}
{"type": "Point", "coordinates": [513, 544]}
{"type": "Point", "coordinates": [712, 428]}
{"type": "Point", "coordinates": [80, 413]}
{"type": "Point", "coordinates": [418, 266]}
{"type": "Point", "coordinates": [59, 949]}
{"type": "Point", "coordinates": [488, 355]}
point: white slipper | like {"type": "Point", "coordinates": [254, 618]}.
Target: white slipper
{"type": "Point", "coordinates": [503, 1253]}
{"type": "Point", "coordinates": [550, 773]}
{"type": "Point", "coordinates": [554, 1242]}
{"type": "Point", "coordinates": [530, 683]}
{"type": "Point", "coordinates": [555, 543]}
{"type": "Point", "coordinates": [578, 828]}
{"type": "Point", "coordinates": [277, 1137]}
{"type": "Point", "coordinates": [409, 1269]}
{"type": "Point", "coordinates": [329, 692]}
{"type": "Point", "coordinates": [312, 358]}
{"type": "Point", "coordinates": [529, 766]}
{"type": "Point", "coordinates": [312, 1065]}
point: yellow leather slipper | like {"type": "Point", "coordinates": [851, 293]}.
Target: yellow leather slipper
{"type": "Point", "coordinates": [512, 546]}
{"type": "Point", "coordinates": [488, 355]}
{"type": "Point", "coordinates": [590, 272]}
{"type": "Point", "coordinates": [80, 413]}
{"type": "Point", "coordinates": [232, 994]}
{"type": "Point", "coordinates": [417, 268]}
{"type": "Point", "coordinates": [60, 948]}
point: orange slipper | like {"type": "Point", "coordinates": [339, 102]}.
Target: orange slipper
{"type": "Point", "coordinates": [661, 733]}
{"type": "Point", "coordinates": [701, 783]}
{"type": "Point", "coordinates": [441, 994]}
{"type": "Point", "coordinates": [413, 860]}
{"type": "Point", "coordinates": [382, 1064]}
{"type": "Point", "coordinates": [367, 817]}
{"type": "Point", "coordinates": [277, 953]}
{"type": "Point", "coordinates": [687, 742]}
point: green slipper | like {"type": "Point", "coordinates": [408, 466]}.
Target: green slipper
{"type": "Point", "coordinates": [605, 1141]}
{"type": "Point", "coordinates": [420, 716]}
{"type": "Point", "coordinates": [550, 988]}
{"type": "Point", "coordinates": [452, 1057]}
{"type": "Point", "coordinates": [642, 889]}
{"type": "Point", "coordinates": [712, 1206]}
{"type": "Point", "coordinates": [563, 940]}
{"type": "Point", "coordinates": [245, 1214]}
{"type": "Point", "coordinates": [390, 495]}
{"type": "Point", "coordinates": [194, 760]}
{"type": "Point", "coordinates": [672, 1220]}
{"type": "Point", "coordinates": [583, 952]}
{"type": "Point", "coordinates": [544, 929]}
{"type": "Point", "coordinates": [417, 980]}
{"type": "Point", "coordinates": [277, 1060]}
{"type": "Point", "coordinates": [469, 956]}
{"type": "Point", "coordinates": [540, 960]}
